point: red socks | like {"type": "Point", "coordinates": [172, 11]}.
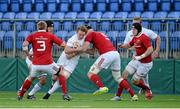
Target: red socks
{"type": "Point", "coordinates": [26, 85]}
{"type": "Point", "coordinates": [62, 83]}
{"type": "Point", "coordinates": [142, 85]}
{"type": "Point", "coordinates": [119, 91]}
{"type": "Point", "coordinates": [95, 78]}
{"type": "Point", "coordinates": [124, 84]}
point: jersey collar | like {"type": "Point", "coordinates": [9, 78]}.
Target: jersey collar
{"type": "Point", "coordinates": [41, 30]}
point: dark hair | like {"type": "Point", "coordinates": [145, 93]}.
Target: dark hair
{"type": "Point", "coordinates": [49, 23]}
{"type": "Point", "coordinates": [88, 27]}
{"type": "Point", "coordinates": [138, 27]}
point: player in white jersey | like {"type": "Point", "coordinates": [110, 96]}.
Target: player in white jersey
{"type": "Point", "coordinates": [68, 63]}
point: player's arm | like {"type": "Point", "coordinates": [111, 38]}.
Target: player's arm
{"type": "Point", "coordinates": [126, 46]}
{"type": "Point", "coordinates": [84, 48]}
{"type": "Point", "coordinates": [70, 52]}
{"type": "Point", "coordinates": [25, 47]}
{"type": "Point", "coordinates": [59, 42]}
{"type": "Point", "coordinates": [158, 42]}
{"type": "Point", "coordinates": [145, 54]}
{"type": "Point", "coordinates": [90, 51]}
{"type": "Point", "coordinates": [157, 39]}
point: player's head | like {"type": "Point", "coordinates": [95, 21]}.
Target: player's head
{"type": "Point", "coordinates": [136, 29]}
{"type": "Point", "coordinates": [41, 25]}
{"type": "Point", "coordinates": [89, 28]}
{"type": "Point", "coordinates": [49, 26]}
{"type": "Point", "coordinates": [137, 20]}
{"type": "Point", "coordinates": [81, 31]}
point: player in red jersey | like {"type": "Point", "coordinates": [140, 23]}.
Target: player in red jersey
{"type": "Point", "coordinates": [109, 57]}
{"type": "Point", "coordinates": [42, 43]}
{"type": "Point", "coordinates": [42, 77]}
{"type": "Point", "coordinates": [141, 63]}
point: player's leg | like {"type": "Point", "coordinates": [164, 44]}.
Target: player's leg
{"type": "Point", "coordinates": [123, 83]}
{"type": "Point", "coordinates": [138, 77]}
{"type": "Point", "coordinates": [52, 90]}
{"type": "Point", "coordinates": [64, 75]}
{"type": "Point", "coordinates": [37, 87]}
{"type": "Point", "coordinates": [54, 79]}
{"type": "Point", "coordinates": [93, 75]}
{"type": "Point", "coordinates": [25, 86]}
{"type": "Point", "coordinates": [146, 81]}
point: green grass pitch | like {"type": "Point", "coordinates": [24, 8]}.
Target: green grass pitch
{"type": "Point", "coordinates": [87, 100]}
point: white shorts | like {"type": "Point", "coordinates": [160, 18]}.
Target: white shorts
{"type": "Point", "coordinates": [110, 59]}
{"type": "Point", "coordinates": [37, 70]}
{"type": "Point", "coordinates": [68, 64]}
{"type": "Point", "coordinates": [28, 62]}
{"type": "Point", "coordinates": [138, 70]}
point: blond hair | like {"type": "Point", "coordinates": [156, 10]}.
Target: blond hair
{"type": "Point", "coordinates": [82, 28]}
{"type": "Point", "coordinates": [137, 20]}
{"type": "Point", "coordinates": [41, 25]}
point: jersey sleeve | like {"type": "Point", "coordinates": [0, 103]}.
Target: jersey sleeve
{"type": "Point", "coordinates": [131, 43]}
{"type": "Point", "coordinates": [151, 34]}
{"type": "Point", "coordinates": [29, 38]}
{"type": "Point", "coordinates": [89, 37]}
{"type": "Point", "coordinates": [127, 38]}
{"type": "Point", "coordinates": [146, 41]}
{"type": "Point", "coordinates": [57, 40]}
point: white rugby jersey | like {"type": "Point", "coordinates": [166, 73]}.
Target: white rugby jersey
{"type": "Point", "coordinates": [148, 32]}
{"type": "Point", "coordinates": [70, 64]}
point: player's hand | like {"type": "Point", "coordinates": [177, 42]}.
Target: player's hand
{"type": "Point", "coordinates": [155, 54]}
{"type": "Point", "coordinates": [30, 56]}
{"type": "Point", "coordinates": [137, 58]}
{"type": "Point", "coordinates": [121, 45]}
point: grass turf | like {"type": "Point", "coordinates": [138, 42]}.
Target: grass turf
{"type": "Point", "coordinates": [87, 100]}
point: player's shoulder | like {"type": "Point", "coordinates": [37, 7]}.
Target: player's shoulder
{"type": "Point", "coordinates": [73, 38]}
{"type": "Point", "coordinates": [129, 33]}
{"type": "Point", "coordinates": [144, 36]}
{"type": "Point", "coordinates": [146, 30]}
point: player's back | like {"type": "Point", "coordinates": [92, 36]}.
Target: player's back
{"type": "Point", "coordinates": [42, 43]}
{"type": "Point", "coordinates": [100, 41]}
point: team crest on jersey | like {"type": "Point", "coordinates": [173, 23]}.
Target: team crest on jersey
{"type": "Point", "coordinates": [137, 44]}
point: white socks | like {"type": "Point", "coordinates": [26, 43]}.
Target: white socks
{"type": "Point", "coordinates": [54, 88]}
{"type": "Point", "coordinates": [36, 88]}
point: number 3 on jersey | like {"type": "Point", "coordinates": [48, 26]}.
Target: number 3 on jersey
{"type": "Point", "coordinates": [42, 46]}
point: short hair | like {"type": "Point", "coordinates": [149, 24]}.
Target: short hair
{"type": "Point", "coordinates": [49, 23]}
{"type": "Point", "coordinates": [137, 19]}
{"type": "Point", "coordinates": [41, 25]}
{"type": "Point", "coordinates": [88, 27]}
{"type": "Point", "coordinates": [82, 28]}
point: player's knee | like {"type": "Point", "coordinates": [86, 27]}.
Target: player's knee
{"type": "Point", "coordinates": [89, 74]}
{"type": "Point", "coordinates": [42, 80]}
{"type": "Point", "coordinates": [135, 82]}
{"type": "Point", "coordinates": [30, 78]}
{"type": "Point", "coordinates": [117, 75]}
{"type": "Point", "coordinates": [135, 79]}
{"type": "Point", "coordinates": [125, 74]}
{"type": "Point", "coordinates": [93, 70]}
{"type": "Point", "coordinates": [65, 73]}
{"type": "Point", "coordinates": [54, 77]}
